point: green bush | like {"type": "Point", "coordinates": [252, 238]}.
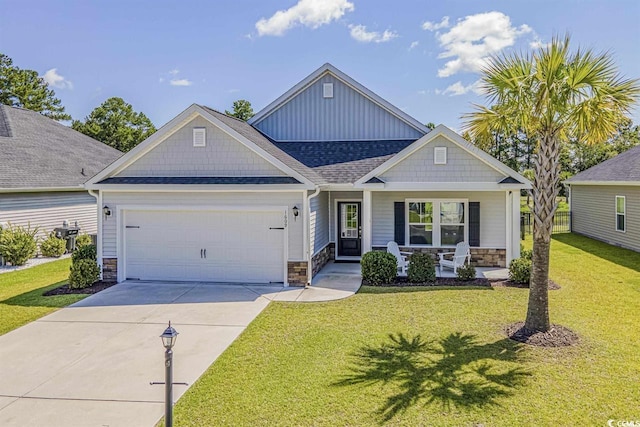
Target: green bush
{"type": "Point", "coordinates": [421, 269]}
{"type": "Point", "coordinates": [83, 240]}
{"type": "Point", "coordinates": [84, 252]}
{"type": "Point", "coordinates": [53, 247]}
{"type": "Point", "coordinates": [378, 268]}
{"type": "Point", "coordinates": [526, 253]}
{"type": "Point", "coordinates": [520, 270]}
{"type": "Point", "coordinates": [466, 272]}
{"type": "Point", "coordinates": [18, 244]}
{"type": "Point", "coordinates": [84, 273]}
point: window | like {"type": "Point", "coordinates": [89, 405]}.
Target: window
{"type": "Point", "coordinates": [436, 222]}
{"type": "Point", "coordinates": [420, 223]}
{"type": "Point", "coordinates": [350, 220]}
{"type": "Point", "coordinates": [621, 208]}
{"type": "Point", "coordinates": [199, 137]}
{"type": "Point", "coordinates": [451, 223]}
{"type": "Point", "coordinates": [439, 155]}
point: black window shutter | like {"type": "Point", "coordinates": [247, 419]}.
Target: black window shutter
{"type": "Point", "coordinates": [474, 224]}
{"type": "Point", "coordinates": [398, 218]}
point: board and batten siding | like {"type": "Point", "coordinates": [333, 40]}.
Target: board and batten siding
{"type": "Point", "coordinates": [202, 199]}
{"type": "Point", "coordinates": [492, 214]}
{"type": "Point", "coordinates": [593, 213]}
{"type": "Point", "coordinates": [319, 222]}
{"type": "Point", "coordinates": [461, 166]}
{"type": "Point", "coordinates": [348, 116]}
{"type": "Point", "coordinates": [222, 156]}
{"type": "Point", "coordinates": [48, 210]}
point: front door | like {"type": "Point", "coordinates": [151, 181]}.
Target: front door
{"type": "Point", "coordinates": [349, 229]}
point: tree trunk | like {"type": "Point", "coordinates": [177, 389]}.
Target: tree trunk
{"type": "Point", "coordinates": [545, 191]}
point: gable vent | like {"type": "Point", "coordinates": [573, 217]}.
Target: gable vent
{"type": "Point", "coordinates": [327, 90]}
{"type": "Point", "coordinates": [440, 155]}
{"type": "Point", "coordinates": [199, 137]}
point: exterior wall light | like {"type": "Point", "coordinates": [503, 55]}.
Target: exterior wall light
{"type": "Point", "coordinates": [106, 210]}
{"type": "Point", "coordinates": [296, 212]}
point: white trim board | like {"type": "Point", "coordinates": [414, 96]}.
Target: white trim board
{"type": "Point", "coordinates": [442, 130]}
{"type": "Point", "coordinates": [178, 123]}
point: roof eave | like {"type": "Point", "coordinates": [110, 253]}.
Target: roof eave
{"type": "Point", "coordinates": [615, 183]}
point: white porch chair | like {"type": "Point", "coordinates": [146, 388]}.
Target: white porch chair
{"type": "Point", "coordinates": [462, 254]}
{"type": "Point", "coordinates": [401, 257]}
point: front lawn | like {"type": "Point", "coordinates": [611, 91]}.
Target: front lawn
{"type": "Point", "coordinates": [21, 299]}
{"type": "Point", "coordinates": [436, 357]}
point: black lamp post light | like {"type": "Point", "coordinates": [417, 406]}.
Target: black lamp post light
{"type": "Point", "coordinates": [168, 337]}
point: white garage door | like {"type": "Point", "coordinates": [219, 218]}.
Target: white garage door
{"type": "Point", "coordinates": [211, 246]}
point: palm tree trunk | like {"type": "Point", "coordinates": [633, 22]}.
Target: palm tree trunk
{"type": "Point", "coordinates": [545, 191]}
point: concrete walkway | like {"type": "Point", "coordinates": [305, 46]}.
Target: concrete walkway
{"type": "Point", "coordinates": [90, 364]}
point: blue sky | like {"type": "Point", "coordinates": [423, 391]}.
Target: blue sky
{"type": "Point", "coordinates": [162, 56]}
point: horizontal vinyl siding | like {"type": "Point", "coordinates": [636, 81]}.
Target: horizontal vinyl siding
{"type": "Point", "coordinates": [461, 166]}
{"type": "Point", "coordinates": [492, 214]}
{"type": "Point", "coordinates": [222, 156]}
{"type": "Point", "coordinates": [347, 116]}
{"type": "Point", "coordinates": [48, 210]}
{"type": "Point", "coordinates": [213, 200]}
{"type": "Point", "coordinates": [319, 222]}
{"type": "Point", "coordinates": [593, 213]}
{"type": "Point", "coordinates": [344, 196]}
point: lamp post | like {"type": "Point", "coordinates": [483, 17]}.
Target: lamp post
{"type": "Point", "coordinates": [168, 340]}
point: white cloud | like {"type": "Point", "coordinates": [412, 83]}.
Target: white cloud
{"type": "Point", "coordinates": [414, 44]}
{"type": "Point", "coordinates": [459, 89]}
{"type": "Point", "coordinates": [473, 40]}
{"type": "Point", "coordinates": [309, 13]}
{"type": "Point", "coordinates": [360, 33]}
{"type": "Point", "coordinates": [537, 43]}
{"type": "Point", "coordinates": [422, 92]}
{"type": "Point", "coordinates": [180, 82]}
{"type": "Point", "coordinates": [432, 26]}
{"type": "Point", "coordinates": [56, 80]}
{"type": "Point", "coordinates": [174, 71]}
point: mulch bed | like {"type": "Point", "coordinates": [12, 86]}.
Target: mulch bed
{"type": "Point", "coordinates": [441, 281]}
{"type": "Point", "coordinates": [557, 336]}
{"type": "Point", "coordinates": [66, 290]}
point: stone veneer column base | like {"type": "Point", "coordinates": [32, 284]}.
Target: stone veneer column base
{"type": "Point", "coordinates": [480, 257]}
{"type": "Point", "coordinates": [321, 259]}
{"type": "Point", "coordinates": [297, 273]}
{"type": "Point", "coordinates": [110, 269]}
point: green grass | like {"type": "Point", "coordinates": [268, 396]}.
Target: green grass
{"type": "Point", "coordinates": [436, 357]}
{"type": "Point", "coordinates": [21, 299]}
{"type": "Point", "coordinates": [563, 205]}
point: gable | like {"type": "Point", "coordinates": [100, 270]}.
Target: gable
{"type": "Point", "coordinates": [461, 166]}
{"type": "Point", "coordinates": [348, 115]}
{"type": "Point", "coordinates": [222, 155]}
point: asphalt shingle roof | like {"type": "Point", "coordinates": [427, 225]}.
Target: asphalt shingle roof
{"type": "Point", "coordinates": [37, 152]}
{"type": "Point", "coordinates": [623, 167]}
{"type": "Point", "coordinates": [186, 180]}
{"type": "Point", "coordinates": [343, 161]}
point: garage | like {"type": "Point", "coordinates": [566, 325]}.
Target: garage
{"type": "Point", "coordinates": [226, 245]}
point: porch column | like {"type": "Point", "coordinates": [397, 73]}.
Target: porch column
{"type": "Point", "coordinates": [366, 221]}
{"type": "Point", "coordinates": [515, 229]}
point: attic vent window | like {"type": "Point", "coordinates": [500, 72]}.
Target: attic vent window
{"type": "Point", "coordinates": [327, 90]}
{"type": "Point", "coordinates": [440, 155]}
{"type": "Point", "coordinates": [199, 137]}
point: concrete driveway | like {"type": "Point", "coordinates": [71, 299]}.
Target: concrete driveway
{"type": "Point", "coordinates": [90, 364]}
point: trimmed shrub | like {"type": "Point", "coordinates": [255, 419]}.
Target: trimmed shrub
{"type": "Point", "coordinates": [526, 254]}
{"type": "Point", "coordinates": [84, 273]}
{"type": "Point", "coordinates": [83, 240]}
{"type": "Point", "coordinates": [421, 269]}
{"type": "Point", "coordinates": [53, 246]}
{"type": "Point", "coordinates": [466, 272]}
{"type": "Point", "coordinates": [18, 244]}
{"type": "Point", "coordinates": [378, 268]}
{"type": "Point", "coordinates": [520, 270]}
{"type": "Point", "coordinates": [84, 252]}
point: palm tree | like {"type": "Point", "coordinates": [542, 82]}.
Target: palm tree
{"type": "Point", "coordinates": [552, 94]}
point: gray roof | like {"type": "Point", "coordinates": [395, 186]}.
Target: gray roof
{"type": "Point", "coordinates": [187, 180]}
{"type": "Point", "coordinates": [343, 161]}
{"type": "Point", "coordinates": [38, 152]}
{"type": "Point", "coordinates": [624, 167]}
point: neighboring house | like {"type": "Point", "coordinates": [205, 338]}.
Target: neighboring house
{"type": "Point", "coordinates": [605, 200]}
{"type": "Point", "coordinates": [43, 167]}
{"type": "Point", "coordinates": [328, 170]}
